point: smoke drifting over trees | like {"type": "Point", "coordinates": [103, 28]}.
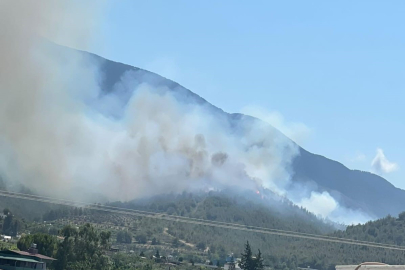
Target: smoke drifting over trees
{"type": "Point", "coordinates": [52, 137]}
{"type": "Point", "coordinates": [58, 132]}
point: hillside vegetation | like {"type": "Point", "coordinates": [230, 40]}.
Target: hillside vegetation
{"type": "Point", "coordinates": [379, 197]}
{"type": "Point", "coordinates": [198, 243]}
{"type": "Point", "coordinates": [201, 243]}
{"type": "Point", "coordinates": [388, 230]}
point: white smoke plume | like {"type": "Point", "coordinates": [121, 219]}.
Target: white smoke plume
{"type": "Point", "coordinates": [39, 116]}
{"type": "Point", "coordinates": [52, 140]}
{"type": "Point", "coordinates": [161, 145]}
{"type": "Point", "coordinates": [323, 205]}
{"type": "Point", "coordinates": [381, 164]}
{"type": "Point", "coordinates": [55, 134]}
{"type": "Point", "coordinates": [296, 131]}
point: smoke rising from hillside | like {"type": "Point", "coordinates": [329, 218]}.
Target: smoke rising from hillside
{"type": "Point", "coordinates": [57, 132]}
{"type": "Point", "coordinates": [51, 137]}
{"type": "Point", "coordinates": [323, 205]}
{"type": "Point", "coordinates": [40, 118]}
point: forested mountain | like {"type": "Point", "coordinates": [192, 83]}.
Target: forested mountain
{"type": "Point", "coordinates": [357, 189]}
{"type": "Point", "coordinates": [199, 242]}
{"type": "Point", "coordinates": [388, 230]}
{"type": "Point", "coordinates": [227, 206]}
{"type": "Point", "coordinates": [377, 198]}
{"type": "Point", "coordinates": [280, 252]}
{"type": "Point", "coordinates": [29, 210]}
{"type": "Point", "coordinates": [353, 189]}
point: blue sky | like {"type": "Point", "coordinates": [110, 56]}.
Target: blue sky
{"type": "Point", "coordinates": [328, 73]}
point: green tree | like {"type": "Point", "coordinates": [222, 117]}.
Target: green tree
{"type": "Point", "coordinates": [8, 223]}
{"type": "Point", "coordinates": [46, 244]}
{"type": "Point", "coordinates": [248, 262]}
{"type": "Point", "coordinates": [176, 242]}
{"type": "Point", "coordinates": [104, 239]}
{"type": "Point", "coordinates": [201, 246]}
{"type": "Point", "coordinates": [124, 237]}
{"type": "Point", "coordinates": [82, 249]}
{"type": "Point", "coordinates": [259, 261]}
{"type": "Point", "coordinates": [15, 227]}
{"type": "Point", "coordinates": [141, 238]}
{"type": "Point", "coordinates": [157, 256]}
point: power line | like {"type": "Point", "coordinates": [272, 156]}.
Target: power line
{"type": "Point", "coordinates": [178, 218]}
{"type": "Point", "coordinates": [218, 224]}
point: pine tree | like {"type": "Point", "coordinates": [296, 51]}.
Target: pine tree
{"type": "Point", "coordinates": [157, 256]}
{"type": "Point", "coordinates": [8, 223]}
{"type": "Point", "coordinates": [248, 262]}
{"type": "Point", "coordinates": [259, 261]}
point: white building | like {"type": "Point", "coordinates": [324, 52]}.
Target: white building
{"type": "Point", "coordinates": [6, 238]}
{"type": "Point", "coordinates": [370, 266]}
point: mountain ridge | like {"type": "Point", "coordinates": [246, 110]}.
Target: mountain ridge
{"type": "Point", "coordinates": [354, 189]}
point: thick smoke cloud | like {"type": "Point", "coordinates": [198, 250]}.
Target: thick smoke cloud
{"type": "Point", "coordinates": [323, 205]}
{"type": "Point", "coordinates": [161, 144]}
{"type": "Point", "coordinates": [57, 133]}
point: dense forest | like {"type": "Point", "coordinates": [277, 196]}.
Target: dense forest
{"type": "Point", "coordinates": [247, 208]}
{"type": "Point", "coordinates": [214, 244]}
{"type": "Point", "coordinates": [135, 235]}
{"type": "Point", "coordinates": [388, 230]}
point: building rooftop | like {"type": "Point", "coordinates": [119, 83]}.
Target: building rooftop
{"type": "Point", "coordinates": [21, 259]}
{"type": "Point", "coordinates": [25, 253]}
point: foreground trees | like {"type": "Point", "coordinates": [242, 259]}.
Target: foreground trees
{"type": "Point", "coordinates": [46, 244]}
{"type": "Point", "coordinates": [248, 262]}
{"type": "Point", "coordinates": [124, 237]}
{"type": "Point", "coordinates": [11, 226]}
{"type": "Point", "coordinates": [82, 249]}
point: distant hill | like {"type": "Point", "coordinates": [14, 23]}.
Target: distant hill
{"type": "Point", "coordinates": [280, 252]}
{"type": "Point", "coordinates": [29, 210]}
{"type": "Point", "coordinates": [197, 242]}
{"type": "Point", "coordinates": [236, 207]}
{"type": "Point", "coordinates": [355, 189]}
{"type": "Point", "coordinates": [352, 188]}
{"type": "Point", "coordinates": [388, 230]}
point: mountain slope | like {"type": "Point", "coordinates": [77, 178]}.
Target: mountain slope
{"type": "Point", "coordinates": [388, 230]}
{"type": "Point", "coordinates": [354, 189]}
{"type": "Point", "coordinates": [357, 189]}
{"type": "Point", "coordinates": [198, 242]}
